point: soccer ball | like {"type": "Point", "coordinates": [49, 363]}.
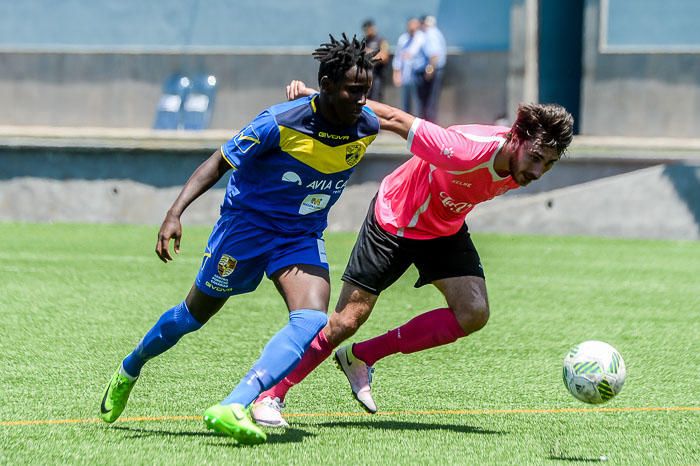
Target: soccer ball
{"type": "Point", "coordinates": [594, 372]}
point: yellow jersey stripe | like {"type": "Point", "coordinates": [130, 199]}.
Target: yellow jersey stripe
{"type": "Point", "coordinates": [322, 157]}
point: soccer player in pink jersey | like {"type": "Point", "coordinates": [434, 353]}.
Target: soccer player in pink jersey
{"type": "Point", "coordinates": [418, 217]}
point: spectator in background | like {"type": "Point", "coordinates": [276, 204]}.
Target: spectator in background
{"type": "Point", "coordinates": [430, 73]}
{"type": "Point", "coordinates": [376, 42]}
{"type": "Point", "coordinates": [406, 62]}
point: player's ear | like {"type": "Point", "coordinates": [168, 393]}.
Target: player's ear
{"type": "Point", "coordinates": [326, 84]}
{"type": "Point", "coordinates": [512, 138]}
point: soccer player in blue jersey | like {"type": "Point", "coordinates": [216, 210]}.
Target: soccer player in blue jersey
{"type": "Point", "coordinates": [290, 165]}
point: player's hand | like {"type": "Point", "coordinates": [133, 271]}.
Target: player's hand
{"type": "Point", "coordinates": [296, 89]}
{"type": "Point", "coordinates": [170, 229]}
{"type": "Point", "coordinates": [429, 73]}
{"type": "Point", "coordinates": [396, 78]}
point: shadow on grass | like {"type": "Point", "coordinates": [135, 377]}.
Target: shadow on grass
{"type": "Point", "coordinates": [577, 459]}
{"type": "Point", "coordinates": [283, 436]}
{"type": "Point", "coordinates": [407, 425]}
{"type": "Point", "coordinates": [138, 432]}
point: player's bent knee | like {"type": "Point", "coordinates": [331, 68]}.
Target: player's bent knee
{"type": "Point", "coordinates": [341, 327]}
{"type": "Point", "coordinates": [346, 328]}
{"type": "Point", "coordinates": [472, 316]}
{"type": "Point", "coordinates": [202, 306]}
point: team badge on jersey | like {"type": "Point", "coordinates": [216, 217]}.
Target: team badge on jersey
{"type": "Point", "coordinates": [227, 265]}
{"type": "Point", "coordinates": [353, 154]}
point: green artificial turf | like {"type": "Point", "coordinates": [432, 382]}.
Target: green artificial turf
{"type": "Point", "coordinates": [75, 299]}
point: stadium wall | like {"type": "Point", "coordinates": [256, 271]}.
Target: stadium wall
{"type": "Point", "coordinates": [122, 89]}
{"type": "Point", "coordinates": [641, 68]}
{"type": "Point", "coordinates": [640, 189]}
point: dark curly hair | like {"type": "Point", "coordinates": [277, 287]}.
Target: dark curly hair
{"type": "Point", "coordinates": [338, 56]}
{"type": "Point", "coordinates": [546, 125]}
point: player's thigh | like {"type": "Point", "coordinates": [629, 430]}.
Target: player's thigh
{"type": "Point", "coordinates": [464, 293]}
{"type": "Point", "coordinates": [446, 257]}
{"type": "Point", "coordinates": [304, 286]}
{"type": "Point", "coordinates": [378, 258]}
{"type": "Point", "coordinates": [453, 265]}
{"type": "Point", "coordinates": [234, 259]}
{"type": "Point", "coordinates": [299, 268]}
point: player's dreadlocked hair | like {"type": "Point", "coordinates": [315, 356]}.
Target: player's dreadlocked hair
{"type": "Point", "coordinates": [338, 56]}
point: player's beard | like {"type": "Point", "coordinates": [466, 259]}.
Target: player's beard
{"type": "Point", "coordinates": [515, 171]}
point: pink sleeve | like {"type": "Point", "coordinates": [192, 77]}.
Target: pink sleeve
{"type": "Point", "coordinates": [448, 149]}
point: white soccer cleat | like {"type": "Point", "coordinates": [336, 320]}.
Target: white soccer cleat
{"type": "Point", "coordinates": [268, 412]}
{"type": "Point", "coordinates": [359, 375]}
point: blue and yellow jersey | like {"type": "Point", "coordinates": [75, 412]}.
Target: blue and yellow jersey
{"type": "Point", "coordinates": [291, 165]}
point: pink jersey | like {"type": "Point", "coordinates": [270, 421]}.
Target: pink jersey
{"type": "Point", "coordinates": [451, 171]}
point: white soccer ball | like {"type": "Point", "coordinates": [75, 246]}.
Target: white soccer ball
{"type": "Point", "coordinates": [594, 372]}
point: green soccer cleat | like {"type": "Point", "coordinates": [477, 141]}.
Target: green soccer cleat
{"type": "Point", "coordinates": [233, 420]}
{"type": "Point", "coordinates": [115, 397]}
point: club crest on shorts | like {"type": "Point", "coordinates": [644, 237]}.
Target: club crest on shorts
{"type": "Point", "coordinates": [352, 154]}
{"type": "Point", "coordinates": [227, 265]}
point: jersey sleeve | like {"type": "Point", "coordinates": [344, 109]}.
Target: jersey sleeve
{"type": "Point", "coordinates": [448, 149]}
{"type": "Point", "coordinates": [258, 137]}
{"type": "Point", "coordinates": [372, 121]}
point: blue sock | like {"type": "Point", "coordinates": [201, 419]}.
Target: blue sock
{"type": "Point", "coordinates": [171, 326]}
{"type": "Point", "coordinates": [281, 354]}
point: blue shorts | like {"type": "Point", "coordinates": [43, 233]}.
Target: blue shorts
{"type": "Point", "coordinates": [238, 253]}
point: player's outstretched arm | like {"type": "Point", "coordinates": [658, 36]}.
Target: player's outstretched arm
{"type": "Point", "coordinates": [390, 118]}
{"type": "Point", "coordinates": [203, 178]}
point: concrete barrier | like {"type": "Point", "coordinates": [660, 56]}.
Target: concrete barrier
{"type": "Point", "coordinates": [657, 202]}
{"type": "Point", "coordinates": [613, 187]}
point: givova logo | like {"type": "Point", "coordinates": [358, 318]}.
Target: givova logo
{"type": "Point", "coordinates": [323, 134]}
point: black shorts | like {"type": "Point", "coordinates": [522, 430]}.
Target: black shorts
{"type": "Point", "coordinates": [380, 258]}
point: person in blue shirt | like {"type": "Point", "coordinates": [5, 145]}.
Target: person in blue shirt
{"type": "Point", "coordinates": [290, 165]}
{"type": "Point", "coordinates": [429, 73]}
{"type": "Point", "coordinates": [407, 57]}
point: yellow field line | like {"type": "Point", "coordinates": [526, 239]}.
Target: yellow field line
{"type": "Point", "coordinates": [382, 413]}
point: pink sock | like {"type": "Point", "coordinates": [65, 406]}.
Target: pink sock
{"type": "Point", "coordinates": [318, 351]}
{"type": "Point", "coordinates": [428, 330]}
